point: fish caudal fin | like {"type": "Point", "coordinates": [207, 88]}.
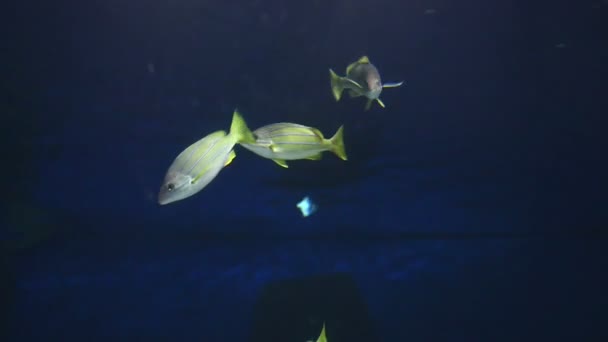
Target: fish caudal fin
{"type": "Point", "coordinates": [337, 143]}
{"type": "Point", "coordinates": [242, 134]}
{"type": "Point", "coordinates": [336, 85]}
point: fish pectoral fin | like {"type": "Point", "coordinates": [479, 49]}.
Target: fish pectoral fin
{"type": "Point", "coordinates": [272, 147]}
{"type": "Point", "coordinates": [392, 85]}
{"type": "Point", "coordinates": [353, 93]}
{"type": "Point", "coordinates": [281, 162]}
{"type": "Point", "coordinates": [368, 105]}
{"type": "Point", "coordinates": [317, 156]}
{"type": "Point", "coordinates": [231, 156]}
{"type": "Point", "coordinates": [267, 145]}
{"type": "Point", "coordinates": [352, 83]}
{"type": "Point", "coordinates": [380, 103]}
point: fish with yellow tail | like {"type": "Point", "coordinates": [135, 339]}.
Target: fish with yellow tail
{"type": "Point", "coordinates": [362, 79]}
{"type": "Point", "coordinates": [322, 337]}
{"type": "Point", "coordinates": [289, 141]}
{"type": "Point", "coordinates": [196, 166]}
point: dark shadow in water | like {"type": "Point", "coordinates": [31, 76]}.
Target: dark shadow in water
{"type": "Point", "coordinates": [295, 310]}
{"type": "Point", "coordinates": [7, 295]}
{"type": "Point", "coordinates": [308, 175]}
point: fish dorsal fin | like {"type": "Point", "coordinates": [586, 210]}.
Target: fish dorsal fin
{"type": "Point", "coordinates": [322, 336]}
{"type": "Point", "coordinates": [350, 67]}
{"type": "Point", "coordinates": [317, 133]}
{"type": "Point", "coordinates": [362, 60]}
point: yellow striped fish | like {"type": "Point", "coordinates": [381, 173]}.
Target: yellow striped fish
{"type": "Point", "coordinates": [199, 164]}
{"type": "Point", "coordinates": [289, 141]}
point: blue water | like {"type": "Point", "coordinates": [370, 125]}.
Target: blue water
{"type": "Point", "coordinates": [470, 208]}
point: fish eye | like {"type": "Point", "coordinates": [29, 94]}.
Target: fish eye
{"type": "Point", "coordinates": [170, 186]}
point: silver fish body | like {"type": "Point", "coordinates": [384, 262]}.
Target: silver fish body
{"type": "Point", "coordinates": [290, 141]}
{"type": "Point", "coordinates": [195, 167]}
{"type": "Point", "coordinates": [367, 81]}
{"type": "Point", "coordinates": [362, 79]}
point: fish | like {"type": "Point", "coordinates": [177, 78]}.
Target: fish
{"type": "Point", "coordinates": [290, 141]}
{"type": "Point", "coordinates": [195, 167]}
{"type": "Point", "coordinates": [362, 79]}
{"type": "Point", "coordinates": [322, 337]}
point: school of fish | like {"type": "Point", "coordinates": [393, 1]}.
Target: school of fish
{"type": "Point", "coordinates": [200, 163]}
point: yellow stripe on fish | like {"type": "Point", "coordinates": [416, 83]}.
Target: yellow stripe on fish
{"type": "Point", "coordinates": [289, 141]}
{"type": "Point", "coordinates": [196, 166]}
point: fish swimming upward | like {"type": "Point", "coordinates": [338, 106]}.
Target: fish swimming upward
{"type": "Point", "coordinates": [289, 141]}
{"type": "Point", "coordinates": [362, 79]}
{"type": "Point", "coordinates": [200, 163]}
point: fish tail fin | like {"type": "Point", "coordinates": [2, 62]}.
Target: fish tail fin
{"type": "Point", "coordinates": [337, 143]}
{"type": "Point", "coordinates": [239, 129]}
{"type": "Point", "coordinates": [336, 85]}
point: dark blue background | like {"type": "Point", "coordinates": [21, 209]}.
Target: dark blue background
{"type": "Point", "coordinates": [471, 208]}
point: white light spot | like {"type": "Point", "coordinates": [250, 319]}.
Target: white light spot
{"type": "Point", "coordinates": [307, 207]}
